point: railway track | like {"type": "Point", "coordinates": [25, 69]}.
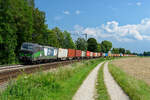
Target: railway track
{"type": "Point", "coordinates": [6, 67]}
{"type": "Point", "coordinates": [8, 73]}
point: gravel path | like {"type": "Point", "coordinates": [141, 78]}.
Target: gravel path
{"type": "Point", "coordinates": [87, 89]}
{"type": "Point", "coordinates": [114, 90]}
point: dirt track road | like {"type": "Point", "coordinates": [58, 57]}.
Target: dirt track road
{"type": "Point", "coordinates": [114, 90]}
{"type": "Point", "coordinates": [87, 89]}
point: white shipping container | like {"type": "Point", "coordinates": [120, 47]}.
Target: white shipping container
{"type": "Point", "coordinates": [91, 54]}
{"type": "Point", "coordinates": [103, 54]}
{"type": "Point", "coordinates": [50, 51]}
{"type": "Point", "coordinates": [83, 54]}
{"type": "Point", "coordinates": [96, 54]}
{"type": "Point", "coordinates": [62, 53]}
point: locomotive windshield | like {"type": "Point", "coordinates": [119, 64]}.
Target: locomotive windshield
{"type": "Point", "coordinates": [27, 46]}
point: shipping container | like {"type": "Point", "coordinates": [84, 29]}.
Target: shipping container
{"type": "Point", "coordinates": [71, 53]}
{"type": "Point", "coordinates": [94, 54]}
{"type": "Point", "coordinates": [109, 54]}
{"type": "Point", "coordinates": [50, 52]}
{"type": "Point", "coordinates": [103, 54]}
{"type": "Point", "coordinates": [62, 53]}
{"type": "Point", "coordinates": [78, 53]}
{"type": "Point", "coordinates": [91, 54]}
{"type": "Point", "coordinates": [83, 54]}
{"type": "Point", "coordinates": [88, 53]}
{"type": "Point", "coordinates": [118, 55]}
{"type": "Point", "coordinates": [113, 55]}
{"type": "Point", "coordinates": [121, 54]}
{"type": "Point", "coordinates": [98, 54]}
{"type": "Point", "coordinates": [106, 54]}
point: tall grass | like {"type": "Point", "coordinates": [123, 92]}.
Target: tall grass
{"type": "Point", "coordinates": [136, 89]}
{"type": "Point", "coordinates": [59, 85]}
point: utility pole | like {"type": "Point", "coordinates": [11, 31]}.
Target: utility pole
{"type": "Point", "coordinates": [85, 36]}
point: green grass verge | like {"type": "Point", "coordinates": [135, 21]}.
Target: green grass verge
{"type": "Point", "coordinates": [135, 89]}
{"type": "Point", "coordinates": [102, 93]}
{"type": "Point", "coordinates": [59, 85]}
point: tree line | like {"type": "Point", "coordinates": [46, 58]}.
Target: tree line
{"type": "Point", "coordinates": [21, 21]}
{"type": "Point", "coordinates": [121, 50]}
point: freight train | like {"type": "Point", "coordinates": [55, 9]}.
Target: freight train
{"type": "Point", "coordinates": [35, 53]}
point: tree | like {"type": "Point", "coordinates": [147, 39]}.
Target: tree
{"type": "Point", "coordinates": [68, 42]}
{"type": "Point", "coordinates": [50, 38]}
{"type": "Point", "coordinates": [99, 47]}
{"type": "Point", "coordinates": [60, 36]}
{"type": "Point", "coordinates": [22, 15]}
{"type": "Point", "coordinates": [122, 50]}
{"type": "Point", "coordinates": [92, 44]}
{"type": "Point", "coordinates": [106, 46]}
{"type": "Point", "coordinates": [1, 40]}
{"type": "Point", "coordinates": [81, 44]}
{"type": "Point", "coordinates": [128, 52]}
{"type": "Point", "coordinates": [7, 32]}
{"type": "Point", "coordinates": [39, 27]}
{"type": "Point", "coordinates": [31, 3]}
{"type": "Point", "coordinates": [15, 27]}
{"type": "Point", "coordinates": [145, 53]}
{"type": "Point", "coordinates": [115, 50]}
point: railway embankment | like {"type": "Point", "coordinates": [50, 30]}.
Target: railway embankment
{"type": "Point", "coordinates": [59, 85]}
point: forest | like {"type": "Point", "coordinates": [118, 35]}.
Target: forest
{"type": "Point", "coordinates": [21, 21]}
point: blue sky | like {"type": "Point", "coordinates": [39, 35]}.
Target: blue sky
{"type": "Point", "coordinates": [126, 23]}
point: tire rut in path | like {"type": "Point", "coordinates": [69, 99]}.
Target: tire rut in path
{"type": "Point", "coordinates": [114, 90]}
{"type": "Point", "coordinates": [87, 89]}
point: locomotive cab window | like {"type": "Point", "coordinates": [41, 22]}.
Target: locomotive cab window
{"type": "Point", "coordinates": [27, 47]}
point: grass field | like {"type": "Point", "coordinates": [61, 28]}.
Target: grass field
{"type": "Point", "coordinates": [56, 85]}
{"type": "Point", "coordinates": [136, 66]}
{"type": "Point", "coordinates": [126, 73]}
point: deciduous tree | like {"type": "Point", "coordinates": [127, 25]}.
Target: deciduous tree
{"type": "Point", "coordinates": [81, 44]}
{"type": "Point", "coordinates": [122, 50]}
{"type": "Point", "coordinates": [115, 50]}
{"type": "Point", "coordinates": [106, 46]}
{"type": "Point", "coordinates": [60, 36]}
{"type": "Point", "coordinates": [92, 44]}
{"type": "Point", "coordinates": [68, 42]}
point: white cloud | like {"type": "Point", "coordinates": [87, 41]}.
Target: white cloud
{"type": "Point", "coordinates": [77, 12]}
{"type": "Point", "coordinates": [66, 12]}
{"type": "Point", "coordinates": [121, 33]}
{"type": "Point", "coordinates": [57, 18]}
{"type": "Point", "coordinates": [78, 28]}
{"type": "Point", "coordinates": [138, 3]}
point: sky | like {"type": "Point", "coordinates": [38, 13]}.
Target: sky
{"type": "Point", "coordinates": [126, 23]}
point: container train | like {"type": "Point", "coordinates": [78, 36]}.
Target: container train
{"type": "Point", "coordinates": [35, 53]}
